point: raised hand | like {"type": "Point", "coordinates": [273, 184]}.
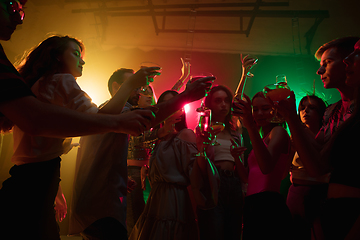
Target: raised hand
{"type": "Point", "coordinates": [287, 107]}
{"type": "Point", "coordinates": [198, 89]}
{"type": "Point", "coordinates": [143, 77]}
{"type": "Point", "coordinates": [243, 110]}
{"type": "Point", "coordinates": [185, 70]}
{"type": "Point", "coordinates": [247, 63]}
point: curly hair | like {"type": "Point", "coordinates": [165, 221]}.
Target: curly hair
{"type": "Point", "coordinates": [43, 60]}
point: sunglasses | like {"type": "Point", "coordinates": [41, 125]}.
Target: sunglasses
{"type": "Point", "coordinates": [14, 6]}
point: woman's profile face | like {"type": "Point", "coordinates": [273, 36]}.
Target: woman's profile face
{"type": "Point", "coordinates": [71, 60]}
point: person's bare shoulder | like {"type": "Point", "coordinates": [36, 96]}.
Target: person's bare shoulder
{"type": "Point", "coordinates": [187, 135]}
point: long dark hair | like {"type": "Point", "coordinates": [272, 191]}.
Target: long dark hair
{"type": "Point", "coordinates": [43, 60]}
{"type": "Point", "coordinates": [229, 124]}
{"type": "Point", "coordinates": [182, 123]}
{"type": "Point", "coordinates": [321, 105]}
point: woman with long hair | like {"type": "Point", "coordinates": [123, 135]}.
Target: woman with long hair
{"type": "Point", "coordinates": [265, 210]}
{"type": "Point", "coordinates": [50, 69]}
{"type": "Point", "coordinates": [225, 220]}
{"type": "Point", "coordinates": [173, 166]}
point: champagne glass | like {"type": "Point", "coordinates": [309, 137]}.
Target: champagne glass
{"type": "Point", "coordinates": [151, 77]}
{"type": "Point", "coordinates": [277, 92]}
{"type": "Point", "coordinates": [251, 58]}
{"type": "Point", "coordinates": [217, 126]}
{"type": "Point", "coordinates": [204, 112]}
{"type": "Point", "coordinates": [247, 63]}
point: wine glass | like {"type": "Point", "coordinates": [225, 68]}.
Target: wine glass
{"type": "Point", "coordinates": [195, 77]}
{"type": "Point", "coordinates": [251, 58]}
{"type": "Point", "coordinates": [217, 126]}
{"type": "Point", "coordinates": [277, 92]}
{"type": "Point", "coordinates": [151, 77]}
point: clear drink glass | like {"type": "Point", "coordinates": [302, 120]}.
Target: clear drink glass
{"type": "Point", "coordinates": [277, 92]}
{"type": "Point", "coordinates": [204, 112]}
{"type": "Point", "coordinates": [217, 126]}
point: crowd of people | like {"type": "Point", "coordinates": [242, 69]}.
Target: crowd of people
{"type": "Point", "coordinates": [218, 182]}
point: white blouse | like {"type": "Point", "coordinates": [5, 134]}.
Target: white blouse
{"type": "Point", "coordinates": [61, 90]}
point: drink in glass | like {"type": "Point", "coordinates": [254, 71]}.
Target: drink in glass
{"type": "Point", "coordinates": [277, 92]}
{"type": "Point", "coordinates": [151, 77]}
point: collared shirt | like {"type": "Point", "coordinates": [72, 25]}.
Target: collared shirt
{"type": "Point", "coordinates": [100, 182]}
{"type": "Point", "coordinates": [334, 116]}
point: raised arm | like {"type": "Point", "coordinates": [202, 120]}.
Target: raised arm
{"type": "Point", "coordinates": [266, 156]}
{"type": "Point", "coordinates": [185, 72]}
{"type": "Point", "coordinates": [117, 102]}
{"type": "Point", "coordinates": [247, 64]}
{"type": "Point", "coordinates": [193, 92]}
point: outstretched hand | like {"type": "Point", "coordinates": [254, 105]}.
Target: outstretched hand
{"type": "Point", "coordinates": [143, 76]}
{"type": "Point", "coordinates": [136, 122]}
{"type": "Point", "coordinates": [199, 88]}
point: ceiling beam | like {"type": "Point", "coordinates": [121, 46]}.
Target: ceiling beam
{"type": "Point", "coordinates": [176, 6]}
{"type": "Point", "coordinates": [234, 13]}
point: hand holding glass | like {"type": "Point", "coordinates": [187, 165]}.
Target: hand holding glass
{"type": "Point", "coordinates": [216, 128]}
{"type": "Point", "coordinates": [277, 92]}
{"type": "Point", "coordinates": [151, 77]}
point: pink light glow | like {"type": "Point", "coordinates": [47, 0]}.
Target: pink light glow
{"type": "Point", "coordinates": [187, 108]}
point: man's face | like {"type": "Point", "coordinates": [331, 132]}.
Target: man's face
{"type": "Point", "coordinates": [135, 94]}
{"type": "Point", "coordinates": [9, 17]}
{"type": "Point", "coordinates": [332, 69]}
